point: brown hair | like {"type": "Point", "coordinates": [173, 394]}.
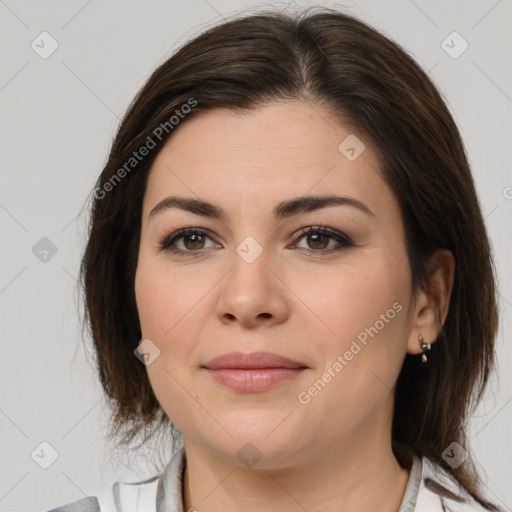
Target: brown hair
{"type": "Point", "coordinates": [365, 80]}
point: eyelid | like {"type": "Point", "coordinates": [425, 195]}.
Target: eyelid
{"type": "Point", "coordinates": [319, 228]}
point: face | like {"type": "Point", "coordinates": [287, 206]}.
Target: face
{"type": "Point", "coordinates": [249, 277]}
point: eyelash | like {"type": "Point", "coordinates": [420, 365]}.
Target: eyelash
{"type": "Point", "coordinates": [166, 242]}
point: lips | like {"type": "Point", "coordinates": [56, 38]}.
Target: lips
{"type": "Point", "coordinates": [252, 372]}
{"type": "Point", "coordinates": [253, 360]}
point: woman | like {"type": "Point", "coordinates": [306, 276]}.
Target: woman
{"type": "Point", "coordinates": [288, 234]}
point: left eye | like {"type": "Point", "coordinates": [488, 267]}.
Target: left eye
{"type": "Point", "coordinates": [318, 239]}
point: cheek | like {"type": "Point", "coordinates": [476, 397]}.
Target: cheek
{"type": "Point", "coordinates": [166, 314]}
{"type": "Point", "coordinates": [166, 298]}
{"type": "Point", "coordinates": [169, 306]}
{"type": "Point", "coordinates": [356, 297]}
{"type": "Point", "coordinates": [364, 310]}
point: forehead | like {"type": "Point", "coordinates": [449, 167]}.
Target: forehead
{"type": "Point", "coordinates": [260, 157]}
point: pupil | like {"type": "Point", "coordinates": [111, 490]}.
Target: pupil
{"type": "Point", "coordinates": [315, 238]}
{"type": "Point", "coordinates": [189, 238]}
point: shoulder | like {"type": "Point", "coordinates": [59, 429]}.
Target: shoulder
{"type": "Point", "coordinates": [147, 495]}
{"type": "Point", "coordinates": [439, 490]}
{"type": "Point", "coordinates": [118, 497]}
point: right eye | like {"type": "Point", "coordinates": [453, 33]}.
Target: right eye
{"type": "Point", "coordinates": [192, 240]}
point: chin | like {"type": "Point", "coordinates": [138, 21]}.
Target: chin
{"type": "Point", "coordinates": [257, 453]}
{"type": "Point", "coordinates": [257, 440]}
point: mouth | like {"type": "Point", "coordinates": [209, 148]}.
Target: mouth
{"type": "Point", "coordinates": [252, 372]}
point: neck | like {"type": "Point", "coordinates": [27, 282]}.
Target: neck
{"type": "Point", "coordinates": [360, 473]}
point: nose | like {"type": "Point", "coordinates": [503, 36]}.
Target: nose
{"type": "Point", "coordinates": [253, 294]}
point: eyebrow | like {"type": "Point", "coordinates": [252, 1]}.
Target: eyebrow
{"type": "Point", "coordinates": [282, 210]}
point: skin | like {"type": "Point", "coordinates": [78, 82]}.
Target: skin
{"type": "Point", "coordinates": [336, 448]}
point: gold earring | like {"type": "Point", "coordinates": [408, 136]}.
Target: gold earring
{"type": "Point", "coordinates": [425, 347]}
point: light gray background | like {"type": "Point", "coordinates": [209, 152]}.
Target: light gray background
{"type": "Point", "coordinates": [58, 118]}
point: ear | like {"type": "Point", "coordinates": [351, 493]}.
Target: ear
{"type": "Point", "coordinates": [431, 307]}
